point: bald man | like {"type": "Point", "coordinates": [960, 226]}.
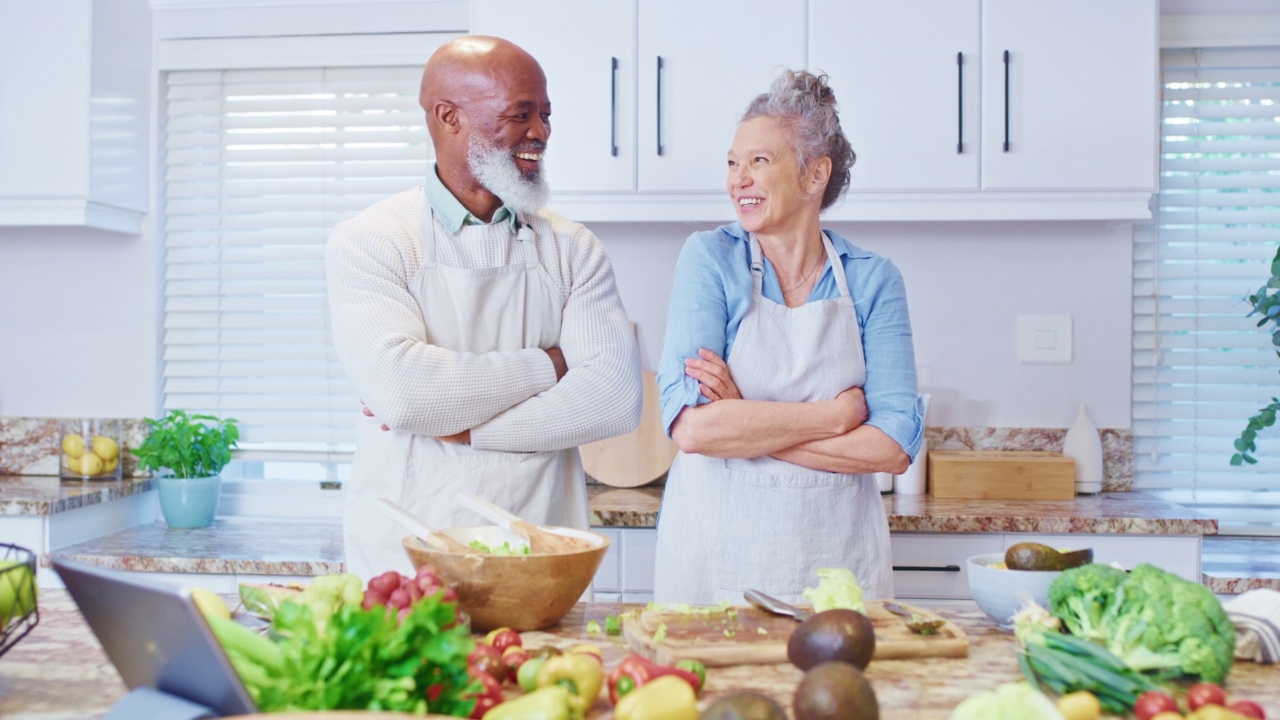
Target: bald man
{"type": "Point", "coordinates": [483, 331]}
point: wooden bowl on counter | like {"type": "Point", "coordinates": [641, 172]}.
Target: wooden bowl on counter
{"type": "Point", "coordinates": [522, 592]}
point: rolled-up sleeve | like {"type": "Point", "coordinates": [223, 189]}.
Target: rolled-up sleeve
{"type": "Point", "coordinates": [893, 403]}
{"type": "Point", "coordinates": [697, 317]}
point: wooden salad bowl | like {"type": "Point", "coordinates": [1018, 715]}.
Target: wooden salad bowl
{"type": "Point", "coordinates": [522, 592]}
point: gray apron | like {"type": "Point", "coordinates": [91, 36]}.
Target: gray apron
{"type": "Point", "coordinates": [731, 525]}
{"type": "Point", "coordinates": [505, 308]}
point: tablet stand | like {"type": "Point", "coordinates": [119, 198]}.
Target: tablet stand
{"type": "Point", "coordinates": [145, 702]}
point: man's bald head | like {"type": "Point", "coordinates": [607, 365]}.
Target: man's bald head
{"type": "Point", "coordinates": [484, 91]}
{"type": "Point", "coordinates": [475, 68]}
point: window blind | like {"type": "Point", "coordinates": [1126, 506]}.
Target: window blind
{"type": "Point", "coordinates": [259, 167]}
{"type": "Point", "coordinates": [1201, 366]}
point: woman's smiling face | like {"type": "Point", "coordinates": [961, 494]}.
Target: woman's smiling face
{"type": "Point", "coordinates": [764, 179]}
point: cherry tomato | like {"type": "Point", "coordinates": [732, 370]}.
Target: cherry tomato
{"type": "Point", "coordinates": [1249, 708]}
{"type": "Point", "coordinates": [1205, 694]}
{"type": "Point", "coordinates": [513, 659]}
{"type": "Point", "coordinates": [489, 696]}
{"type": "Point", "coordinates": [1151, 703]}
{"type": "Point", "coordinates": [503, 638]}
{"type": "Point", "coordinates": [486, 660]}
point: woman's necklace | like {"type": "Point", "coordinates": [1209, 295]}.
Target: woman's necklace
{"type": "Point", "coordinates": [803, 280]}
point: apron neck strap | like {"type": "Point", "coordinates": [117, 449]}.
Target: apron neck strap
{"type": "Point", "coordinates": [757, 266]}
{"type": "Point", "coordinates": [837, 267]}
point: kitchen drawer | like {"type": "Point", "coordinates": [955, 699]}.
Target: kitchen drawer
{"type": "Point", "coordinates": [1179, 554]}
{"type": "Point", "coordinates": [933, 565]}
{"type": "Point", "coordinates": [607, 576]}
{"type": "Point", "coordinates": [639, 554]}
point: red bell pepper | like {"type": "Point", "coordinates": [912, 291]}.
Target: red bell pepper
{"type": "Point", "coordinates": [635, 671]}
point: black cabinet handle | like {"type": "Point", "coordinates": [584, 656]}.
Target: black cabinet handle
{"type": "Point", "coordinates": [659, 104]}
{"type": "Point", "coordinates": [1006, 101]}
{"type": "Point", "coordinates": [926, 568]}
{"type": "Point", "coordinates": [960, 103]}
{"type": "Point", "coordinates": [613, 108]}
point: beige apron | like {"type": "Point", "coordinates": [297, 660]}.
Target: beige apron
{"type": "Point", "coordinates": [731, 525]}
{"type": "Point", "coordinates": [500, 309]}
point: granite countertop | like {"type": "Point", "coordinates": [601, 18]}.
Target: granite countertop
{"type": "Point", "coordinates": [1113, 513]}
{"type": "Point", "coordinates": [59, 671]}
{"type": "Point", "coordinates": [46, 495]}
{"type": "Point", "coordinates": [1109, 513]}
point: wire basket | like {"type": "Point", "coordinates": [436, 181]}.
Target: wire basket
{"type": "Point", "coordinates": [18, 613]}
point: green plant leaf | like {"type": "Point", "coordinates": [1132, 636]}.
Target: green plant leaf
{"type": "Point", "coordinates": [188, 446]}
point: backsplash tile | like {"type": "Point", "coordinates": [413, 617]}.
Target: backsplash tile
{"type": "Point", "coordinates": [30, 446]}
{"type": "Point", "coordinates": [1117, 446]}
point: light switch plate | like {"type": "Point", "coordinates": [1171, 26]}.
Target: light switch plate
{"type": "Point", "coordinates": [1044, 339]}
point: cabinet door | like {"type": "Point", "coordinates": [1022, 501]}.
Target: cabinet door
{"type": "Point", "coordinates": [906, 75]}
{"type": "Point", "coordinates": [1179, 554]}
{"type": "Point", "coordinates": [587, 50]}
{"type": "Point", "coordinates": [1082, 95]}
{"type": "Point", "coordinates": [714, 57]}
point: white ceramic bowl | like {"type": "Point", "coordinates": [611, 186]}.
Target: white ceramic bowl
{"type": "Point", "coordinates": [1000, 593]}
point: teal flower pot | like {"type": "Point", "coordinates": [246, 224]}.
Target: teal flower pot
{"type": "Point", "coordinates": [189, 502]}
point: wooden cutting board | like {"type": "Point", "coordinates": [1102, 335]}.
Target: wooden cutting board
{"type": "Point", "coordinates": [756, 637]}
{"type": "Point", "coordinates": [640, 456]}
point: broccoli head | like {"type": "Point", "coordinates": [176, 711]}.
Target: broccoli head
{"type": "Point", "coordinates": [1081, 595]}
{"type": "Point", "coordinates": [1159, 621]}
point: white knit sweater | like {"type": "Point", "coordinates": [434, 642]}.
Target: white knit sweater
{"type": "Point", "coordinates": [509, 400]}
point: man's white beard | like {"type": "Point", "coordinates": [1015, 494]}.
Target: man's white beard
{"type": "Point", "coordinates": [497, 171]}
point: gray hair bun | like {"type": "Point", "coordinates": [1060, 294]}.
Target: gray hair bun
{"type": "Point", "coordinates": [808, 106]}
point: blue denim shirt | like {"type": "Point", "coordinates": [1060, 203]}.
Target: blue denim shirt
{"type": "Point", "coordinates": [711, 295]}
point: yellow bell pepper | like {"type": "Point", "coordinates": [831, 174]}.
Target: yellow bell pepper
{"type": "Point", "coordinates": [580, 674]}
{"type": "Point", "coordinates": [548, 703]}
{"type": "Point", "coordinates": [666, 698]}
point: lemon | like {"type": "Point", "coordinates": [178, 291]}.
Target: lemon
{"type": "Point", "coordinates": [210, 603]}
{"type": "Point", "coordinates": [71, 463]}
{"type": "Point", "coordinates": [105, 448]}
{"type": "Point", "coordinates": [90, 464]}
{"type": "Point", "coordinates": [109, 466]}
{"type": "Point", "coordinates": [73, 445]}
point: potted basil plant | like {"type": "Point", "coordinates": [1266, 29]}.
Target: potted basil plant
{"type": "Point", "coordinates": [188, 452]}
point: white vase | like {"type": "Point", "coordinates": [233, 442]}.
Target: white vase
{"type": "Point", "coordinates": [1083, 445]}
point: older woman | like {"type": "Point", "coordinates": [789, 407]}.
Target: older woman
{"type": "Point", "coordinates": [816, 390]}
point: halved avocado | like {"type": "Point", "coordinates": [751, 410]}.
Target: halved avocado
{"type": "Point", "coordinates": [1076, 558]}
{"type": "Point", "coordinates": [1037, 556]}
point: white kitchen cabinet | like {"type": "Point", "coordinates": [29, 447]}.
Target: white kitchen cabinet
{"type": "Point", "coordinates": [906, 76]}
{"type": "Point", "coordinates": [934, 565]}
{"type": "Point", "coordinates": [685, 72]}
{"type": "Point", "coordinates": [922, 87]}
{"type": "Point", "coordinates": [1083, 94]}
{"type": "Point", "coordinates": [74, 116]}
{"type": "Point", "coordinates": [700, 64]}
{"type": "Point", "coordinates": [1179, 554]}
{"type": "Point", "coordinates": [591, 80]}
{"type": "Point", "coordinates": [626, 573]}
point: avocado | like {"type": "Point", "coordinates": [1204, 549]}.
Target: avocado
{"type": "Point", "coordinates": [835, 691]}
{"type": "Point", "coordinates": [744, 705]}
{"type": "Point", "coordinates": [1035, 556]}
{"type": "Point", "coordinates": [843, 635]}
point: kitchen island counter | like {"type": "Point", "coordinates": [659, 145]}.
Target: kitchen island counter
{"type": "Point", "coordinates": [59, 671]}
